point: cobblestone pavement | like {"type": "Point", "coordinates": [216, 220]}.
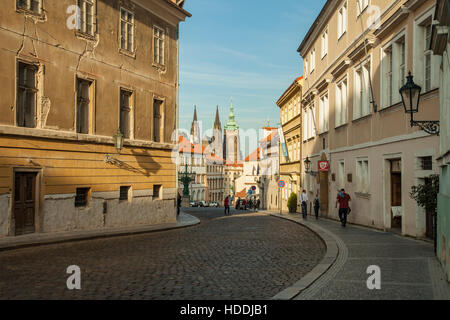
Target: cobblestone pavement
{"type": "Point", "coordinates": [243, 256]}
{"type": "Point", "coordinates": [409, 268]}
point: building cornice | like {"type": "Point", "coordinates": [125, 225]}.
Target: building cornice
{"type": "Point", "coordinates": [392, 22]}
{"type": "Point", "coordinates": [165, 9]}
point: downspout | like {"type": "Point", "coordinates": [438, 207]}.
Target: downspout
{"type": "Point", "coordinates": [177, 107]}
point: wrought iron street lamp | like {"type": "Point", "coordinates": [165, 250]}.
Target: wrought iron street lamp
{"type": "Point", "coordinates": [410, 94]}
{"type": "Point", "coordinates": [118, 143]}
{"type": "Point", "coordinates": [307, 163]}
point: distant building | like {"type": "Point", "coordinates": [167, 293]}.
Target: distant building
{"type": "Point", "coordinates": [215, 164]}
{"type": "Point", "coordinates": [66, 90]}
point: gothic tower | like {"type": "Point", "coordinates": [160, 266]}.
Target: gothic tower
{"type": "Point", "coordinates": [217, 140]}
{"type": "Point", "coordinates": [195, 129]}
{"type": "Point", "coordinates": [232, 153]}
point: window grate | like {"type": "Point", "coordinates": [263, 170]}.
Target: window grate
{"type": "Point", "coordinates": [124, 191]}
{"type": "Point", "coordinates": [426, 163]}
{"type": "Point", "coordinates": [81, 198]}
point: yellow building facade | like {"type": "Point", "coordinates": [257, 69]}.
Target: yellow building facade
{"type": "Point", "coordinates": [290, 162]}
{"type": "Point", "coordinates": [73, 73]}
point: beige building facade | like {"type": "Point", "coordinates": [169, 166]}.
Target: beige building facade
{"type": "Point", "coordinates": [73, 73]}
{"type": "Point", "coordinates": [356, 58]}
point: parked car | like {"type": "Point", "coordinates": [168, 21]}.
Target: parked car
{"type": "Point", "coordinates": [193, 204]}
{"type": "Point", "coordinates": [214, 204]}
{"type": "Point", "coordinates": [203, 203]}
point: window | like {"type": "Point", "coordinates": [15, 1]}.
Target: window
{"type": "Point", "coordinates": [308, 122]}
{"type": "Point", "coordinates": [157, 120]}
{"type": "Point", "coordinates": [34, 6]}
{"type": "Point", "coordinates": [87, 16]}
{"type": "Point", "coordinates": [26, 95]}
{"type": "Point", "coordinates": [342, 20]}
{"type": "Point", "coordinates": [125, 113]}
{"type": "Point", "coordinates": [362, 91]}
{"type": "Point", "coordinates": [426, 163]}
{"type": "Point", "coordinates": [393, 71]}
{"type": "Point", "coordinates": [362, 175]}
{"type": "Point", "coordinates": [341, 174]}
{"type": "Point", "coordinates": [157, 191]}
{"type": "Point", "coordinates": [158, 45]}
{"type": "Point", "coordinates": [324, 43]}
{"type": "Point", "coordinates": [84, 97]}
{"type": "Point", "coordinates": [427, 54]}
{"type": "Point", "coordinates": [306, 69]}
{"type": "Point", "coordinates": [426, 65]}
{"type": "Point", "coordinates": [313, 60]}
{"type": "Point", "coordinates": [323, 113]}
{"type": "Point", "coordinates": [341, 102]}
{"type": "Point", "coordinates": [126, 30]}
{"type": "Point", "coordinates": [82, 197]}
{"type": "Point", "coordinates": [361, 5]}
{"type": "Point", "coordinates": [124, 193]}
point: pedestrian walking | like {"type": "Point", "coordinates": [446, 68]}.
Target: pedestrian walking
{"type": "Point", "coordinates": [343, 200]}
{"type": "Point", "coordinates": [316, 205]}
{"type": "Point", "coordinates": [244, 204]}
{"type": "Point", "coordinates": [227, 205]}
{"type": "Point", "coordinates": [178, 204]}
{"type": "Point", "coordinates": [304, 202]}
{"type": "Point", "coordinates": [258, 202]}
{"type": "Point", "coordinates": [238, 203]}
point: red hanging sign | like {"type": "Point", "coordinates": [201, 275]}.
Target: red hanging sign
{"type": "Point", "coordinates": [323, 166]}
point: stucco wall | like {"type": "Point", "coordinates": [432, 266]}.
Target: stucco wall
{"type": "Point", "coordinates": [4, 214]}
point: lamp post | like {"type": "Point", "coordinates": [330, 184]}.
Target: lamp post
{"type": "Point", "coordinates": [118, 143]}
{"type": "Point", "coordinates": [410, 94]}
{"type": "Point", "coordinates": [308, 170]}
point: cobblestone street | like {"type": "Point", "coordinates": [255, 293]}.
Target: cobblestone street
{"type": "Point", "coordinates": [244, 256]}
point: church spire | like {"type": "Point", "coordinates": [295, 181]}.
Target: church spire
{"type": "Point", "coordinates": [217, 124]}
{"type": "Point", "coordinates": [231, 124]}
{"type": "Point", "coordinates": [195, 129]}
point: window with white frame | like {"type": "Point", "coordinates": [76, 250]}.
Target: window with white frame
{"type": "Point", "coordinates": [158, 45]}
{"type": "Point", "coordinates": [26, 95]}
{"type": "Point", "coordinates": [362, 175]}
{"type": "Point", "coordinates": [309, 122]}
{"type": "Point", "coordinates": [305, 124]}
{"type": "Point", "coordinates": [361, 5]}
{"type": "Point", "coordinates": [361, 105]}
{"type": "Point", "coordinates": [341, 102]}
{"type": "Point", "coordinates": [426, 65]}
{"type": "Point", "coordinates": [87, 16]}
{"type": "Point", "coordinates": [393, 68]}
{"type": "Point", "coordinates": [342, 20]}
{"type": "Point", "coordinates": [126, 102]}
{"type": "Point", "coordinates": [324, 43]}
{"type": "Point", "coordinates": [34, 6]}
{"type": "Point", "coordinates": [306, 69]}
{"type": "Point", "coordinates": [341, 174]}
{"type": "Point", "coordinates": [126, 30]}
{"type": "Point", "coordinates": [323, 113]}
{"type": "Point", "coordinates": [312, 60]}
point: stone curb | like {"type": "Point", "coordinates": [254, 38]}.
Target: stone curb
{"type": "Point", "coordinates": [62, 237]}
{"type": "Point", "coordinates": [325, 264]}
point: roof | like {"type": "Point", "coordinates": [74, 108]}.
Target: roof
{"type": "Point", "coordinates": [314, 25]}
{"type": "Point", "coordinates": [254, 156]}
{"type": "Point", "coordinates": [179, 6]}
{"type": "Point", "coordinates": [184, 145]}
{"type": "Point", "coordinates": [295, 84]}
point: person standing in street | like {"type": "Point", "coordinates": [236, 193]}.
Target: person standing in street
{"type": "Point", "coordinates": [258, 202]}
{"type": "Point", "coordinates": [226, 203]}
{"type": "Point", "coordinates": [178, 204]}
{"type": "Point", "coordinates": [343, 200]}
{"type": "Point", "coordinates": [316, 205]}
{"type": "Point", "coordinates": [304, 202]}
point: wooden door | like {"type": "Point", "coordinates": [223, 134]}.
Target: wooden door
{"type": "Point", "coordinates": [24, 202]}
{"type": "Point", "coordinates": [396, 197]}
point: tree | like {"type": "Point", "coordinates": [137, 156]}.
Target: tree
{"type": "Point", "coordinates": [426, 194]}
{"type": "Point", "coordinates": [292, 203]}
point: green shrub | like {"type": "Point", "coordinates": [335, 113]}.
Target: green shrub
{"type": "Point", "coordinates": [292, 202]}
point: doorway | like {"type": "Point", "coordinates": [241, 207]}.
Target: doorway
{"type": "Point", "coordinates": [396, 194]}
{"type": "Point", "coordinates": [24, 202]}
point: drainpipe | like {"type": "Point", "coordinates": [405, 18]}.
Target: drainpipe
{"type": "Point", "coordinates": [177, 107]}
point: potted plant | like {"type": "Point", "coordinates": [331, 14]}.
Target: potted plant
{"type": "Point", "coordinates": [292, 203]}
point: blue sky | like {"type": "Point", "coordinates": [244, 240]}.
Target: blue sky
{"type": "Point", "coordinates": [244, 49]}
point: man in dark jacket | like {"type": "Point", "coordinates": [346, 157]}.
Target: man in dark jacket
{"type": "Point", "coordinates": [343, 200]}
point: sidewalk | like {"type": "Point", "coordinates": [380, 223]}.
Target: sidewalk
{"type": "Point", "coordinates": [409, 268]}
{"type": "Point", "coordinates": [35, 239]}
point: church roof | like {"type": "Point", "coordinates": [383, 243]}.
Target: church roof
{"type": "Point", "coordinates": [217, 124]}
